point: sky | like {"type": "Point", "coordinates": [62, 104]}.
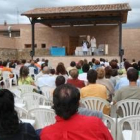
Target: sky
{"type": "Point", "coordinates": [10, 10]}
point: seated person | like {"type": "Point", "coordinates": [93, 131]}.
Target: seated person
{"type": "Point", "coordinates": [24, 79]}
{"type": "Point", "coordinates": [69, 124]}
{"type": "Point", "coordinates": [10, 126]}
{"type": "Point", "coordinates": [75, 81]}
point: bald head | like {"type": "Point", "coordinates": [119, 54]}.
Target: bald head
{"type": "Point", "coordinates": [46, 70]}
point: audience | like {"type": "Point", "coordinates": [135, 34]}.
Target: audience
{"type": "Point", "coordinates": [69, 124]}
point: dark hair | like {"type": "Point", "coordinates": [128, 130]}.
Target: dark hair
{"type": "Point", "coordinates": [85, 67]}
{"type": "Point", "coordinates": [66, 100]}
{"type": "Point", "coordinates": [92, 76]}
{"type": "Point", "coordinates": [135, 65]}
{"type": "Point", "coordinates": [72, 64]}
{"type": "Point", "coordinates": [127, 65]}
{"type": "Point", "coordinates": [113, 64]}
{"type": "Point", "coordinates": [93, 60]}
{"type": "Point", "coordinates": [24, 71]}
{"type": "Point", "coordinates": [9, 122]}
{"type": "Point", "coordinates": [114, 72]}
{"type": "Point", "coordinates": [4, 63]}
{"type": "Point", "coordinates": [60, 69]}
{"type": "Point", "coordinates": [23, 61]}
{"type": "Point", "coordinates": [0, 63]}
{"type": "Point", "coordinates": [52, 71]}
{"type": "Point", "coordinates": [132, 75]}
{"type": "Point", "coordinates": [60, 80]}
{"type": "Point", "coordinates": [108, 72]}
{"type": "Point", "coordinates": [43, 65]}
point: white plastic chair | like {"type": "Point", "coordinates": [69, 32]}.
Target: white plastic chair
{"type": "Point", "coordinates": [22, 113]}
{"type": "Point", "coordinates": [111, 124]}
{"type": "Point", "coordinates": [26, 88]}
{"type": "Point", "coordinates": [129, 107]}
{"type": "Point", "coordinates": [33, 100]}
{"type": "Point", "coordinates": [43, 117]}
{"type": "Point", "coordinates": [95, 103]}
{"type": "Point", "coordinates": [47, 92]}
{"type": "Point", "coordinates": [134, 133]}
{"type": "Point", "coordinates": [6, 78]}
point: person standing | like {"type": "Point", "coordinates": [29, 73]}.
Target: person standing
{"type": "Point", "coordinates": [85, 47]}
{"type": "Point", "coordinates": [93, 45]}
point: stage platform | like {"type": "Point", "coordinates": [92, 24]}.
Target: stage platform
{"type": "Point", "coordinates": [54, 60]}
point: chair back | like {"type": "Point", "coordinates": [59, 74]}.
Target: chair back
{"type": "Point", "coordinates": [47, 92]}
{"type": "Point", "coordinates": [26, 88]}
{"type": "Point", "coordinates": [134, 133]}
{"type": "Point", "coordinates": [129, 107]}
{"type": "Point", "coordinates": [111, 125]}
{"type": "Point", "coordinates": [95, 103]}
{"type": "Point", "coordinates": [33, 100]}
{"type": "Point", "coordinates": [22, 113]}
{"type": "Point", "coordinates": [43, 117]}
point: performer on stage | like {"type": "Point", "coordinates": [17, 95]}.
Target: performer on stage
{"type": "Point", "coordinates": [93, 45]}
{"type": "Point", "coordinates": [85, 47]}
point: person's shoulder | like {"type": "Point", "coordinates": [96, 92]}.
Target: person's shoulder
{"type": "Point", "coordinates": [100, 86]}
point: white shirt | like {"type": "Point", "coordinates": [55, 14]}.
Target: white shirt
{"type": "Point", "coordinates": [93, 43]}
{"type": "Point", "coordinates": [84, 47]}
{"type": "Point", "coordinates": [46, 80]}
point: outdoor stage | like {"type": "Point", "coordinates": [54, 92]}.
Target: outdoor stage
{"type": "Point", "coordinates": [54, 60]}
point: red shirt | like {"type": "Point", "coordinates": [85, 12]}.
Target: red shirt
{"type": "Point", "coordinates": [76, 82]}
{"type": "Point", "coordinates": [78, 127]}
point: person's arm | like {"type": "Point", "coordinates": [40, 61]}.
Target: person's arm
{"type": "Point", "coordinates": [87, 112]}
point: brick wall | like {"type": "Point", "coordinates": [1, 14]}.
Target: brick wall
{"type": "Point", "coordinates": [131, 43]}
{"type": "Point", "coordinates": [60, 37]}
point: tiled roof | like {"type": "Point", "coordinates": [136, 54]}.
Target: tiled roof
{"type": "Point", "coordinates": [73, 9]}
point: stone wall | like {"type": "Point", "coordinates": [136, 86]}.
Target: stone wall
{"type": "Point", "coordinates": [8, 53]}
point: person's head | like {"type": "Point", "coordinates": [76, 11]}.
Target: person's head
{"type": "Point", "coordinates": [132, 74]}
{"type": "Point", "coordinates": [43, 65]}
{"type": "Point", "coordinates": [108, 72]}
{"type": "Point", "coordinates": [72, 64]}
{"type": "Point", "coordinates": [60, 69]}
{"type": "Point", "coordinates": [135, 65]}
{"type": "Point", "coordinates": [127, 65]}
{"type": "Point", "coordinates": [23, 61]}
{"type": "Point", "coordinates": [133, 60]}
{"type": "Point", "coordinates": [74, 73]}
{"type": "Point", "coordinates": [93, 60]}
{"type": "Point", "coordinates": [114, 72]}
{"type": "Point", "coordinates": [46, 70]}
{"type": "Point", "coordinates": [52, 71]}
{"type": "Point", "coordinates": [100, 73]}
{"type": "Point", "coordinates": [24, 71]}
{"type": "Point", "coordinates": [113, 64]}
{"type": "Point", "coordinates": [4, 63]}
{"type": "Point", "coordinates": [66, 100]}
{"type": "Point", "coordinates": [9, 122]}
{"type": "Point", "coordinates": [60, 80]}
{"type": "Point", "coordinates": [97, 62]}
{"type": "Point", "coordinates": [78, 66]}
{"type": "Point", "coordinates": [92, 76]}
{"type": "Point", "coordinates": [85, 68]}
